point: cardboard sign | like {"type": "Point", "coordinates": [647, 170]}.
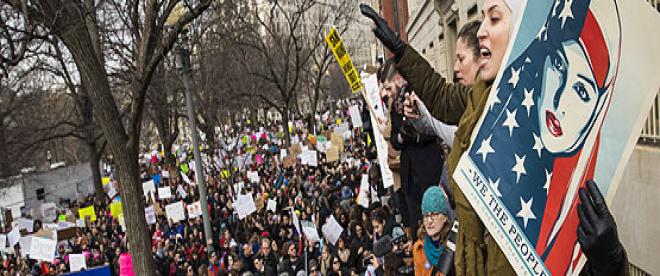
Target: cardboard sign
{"type": "Point", "coordinates": [87, 212]}
{"type": "Point", "coordinates": [175, 211]}
{"type": "Point", "coordinates": [194, 210]}
{"type": "Point", "coordinates": [67, 233]}
{"type": "Point", "coordinates": [289, 162]}
{"type": "Point", "coordinates": [332, 154]}
{"type": "Point", "coordinates": [341, 54]}
{"type": "Point", "coordinates": [295, 149]}
{"type": "Point", "coordinates": [560, 112]}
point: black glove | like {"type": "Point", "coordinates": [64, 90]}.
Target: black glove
{"type": "Point", "coordinates": [408, 133]}
{"type": "Point", "coordinates": [383, 32]}
{"type": "Point", "coordinates": [597, 233]}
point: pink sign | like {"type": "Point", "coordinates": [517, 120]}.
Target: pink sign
{"type": "Point", "coordinates": [125, 265]}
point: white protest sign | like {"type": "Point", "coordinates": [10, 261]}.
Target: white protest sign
{"type": "Point", "coordinates": [253, 176]}
{"type": "Point", "coordinates": [181, 191]}
{"type": "Point", "coordinates": [282, 154]}
{"type": "Point", "coordinates": [165, 174]}
{"type": "Point", "coordinates": [77, 262]}
{"type": "Point", "coordinates": [309, 229]}
{"type": "Point", "coordinates": [295, 221]}
{"type": "Point", "coordinates": [374, 101]}
{"type": "Point", "coordinates": [149, 187]}
{"type": "Point", "coordinates": [42, 249]}
{"type": "Point", "coordinates": [25, 244]}
{"type": "Point", "coordinates": [3, 241]}
{"type": "Point", "coordinates": [27, 224]}
{"type": "Point", "coordinates": [186, 179]}
{"type": "Point", "coordinates": [272, 205]}
{"type": "Point", "coordinates": [355, 116]}
{"type": "Point", "coordinates": [332, 230]}
{"type": "Point", "coordinates": [49, 211]}
{"type": "Point", "coordinates": [164, 192]}
{"type": "Point", "coordinates": [13, 237]}
{"type": "Point", "coordinates": [150, 215]}
{"type": "Point", "coordinates": [245, 205]}
{"type": "Point", "coordinates": [309, 158]}
{"type": "Point", "coordinates": [175, 211]}
{"type": "Point", "coordinates": [112, 192]}
{"type": "Point", "coordinates": [194, 210]}
{"type": "Point", "coordinates": [80, 223]}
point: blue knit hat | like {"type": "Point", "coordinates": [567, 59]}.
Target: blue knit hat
{"type": "Point", "coordinates": [434, 200]}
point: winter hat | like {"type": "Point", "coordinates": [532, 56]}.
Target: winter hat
{"type": "Point", "coordinates": [434, 200]}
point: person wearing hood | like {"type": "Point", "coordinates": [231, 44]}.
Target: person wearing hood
{"type": "Point", "coordinates": [476, 252]}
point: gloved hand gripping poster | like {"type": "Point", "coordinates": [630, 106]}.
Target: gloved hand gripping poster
{"type": "Point", "coordinates": [568, 105]}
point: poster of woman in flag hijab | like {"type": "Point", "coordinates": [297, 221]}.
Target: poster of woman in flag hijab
{"type": "Point", "coordinates": [567, 106]}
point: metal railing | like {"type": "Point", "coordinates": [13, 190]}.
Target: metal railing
{"type": "Point", "coordinates": [651, 130]}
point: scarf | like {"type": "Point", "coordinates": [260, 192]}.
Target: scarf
{"type": "Point", "coordinates": [432, 250]}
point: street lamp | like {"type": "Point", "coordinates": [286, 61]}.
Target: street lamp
{"type": "Point", "coordinates": [182, 55]}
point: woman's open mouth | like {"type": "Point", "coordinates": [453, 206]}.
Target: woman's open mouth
{"type": "Point", "coordinates": [553, 124]}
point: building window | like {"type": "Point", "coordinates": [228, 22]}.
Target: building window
{"type": "Point", "coordinates": [41, 194]}
{"type": "Point", "coordinates": [472, 13]}
{"type": "Point", "coordinates": [431, 45]}
{"type": "Point", "coordinates": [423, 51]}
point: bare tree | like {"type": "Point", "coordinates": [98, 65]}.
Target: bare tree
{"type": "Point", "coordinates": [141, 26]}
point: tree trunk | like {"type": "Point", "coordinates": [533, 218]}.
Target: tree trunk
{"type": "Point", "coordinates": [285, 125]}
{"type": "Point", "coordinates": [93, 157]}
{"type": "Point", "coordinates": [94, 76]}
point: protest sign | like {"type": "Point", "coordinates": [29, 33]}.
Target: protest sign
{"type": "Point", "coordinates": [66, 233]}
{"type": "Point", "coordinates": [149, 189]}
{"type": "Point", "coordinates": [341, 54]}
{"type": "Point", "coordinates": [272, 205]}
{"type": "Point", "coordinates": [164, 192]}
{"type": "Point", "coordinates": [116, 209]}
{"type": "Point", "coordinates": [367, 195]}
{"type": "Point", "coordinates": [375, 104]}
{"type": "Point", "coordinates": [105, 180]}
{"type": "Point", "coordinates": [12, 237]}
{"type": "Point", "coordinates": [186, 179]}
{"type": "Point", "coordinates": [253, 176]}
{"type": "Point", "coordinates": [175, 211]}
{"type": "Point", "coordinates": [309, 229]}
{"type": "Point", "coordinates": [338, 141]}
{"type": "Point", "coordinates": [25, 243]}
{"type": "Point", "coordinates": [80, 223]}
{"type": "Point", "coordinates": [560, 112]}
{"type": "Point", "coordinates": [332, 154]}
{"type": "Point", "coordinates": [125, 265]}
{"type": "Point", "coordinates": [77, 262]}
{"type": "Point", "coordinates": [49, 211]}
{"type": "Point", "coordinates": [24, 223]}
{"type": "Point", "coordinates": [3, 241]}
{"type": "Point", "coordinates": [282, 154]}
{"type": "Point", "coordinates": [87, 212]}
{"type": "Point", "coordinates": [356, 120]}
{"type": "Point", "coordinates": [244, 205]}
{"type": "Point", "coordinates": [289, 161]}
{"type": "Point", "coordinates": [165, 174]}
{"type": "Point", "coordinates": [309, 158]}
{"type": "Point", "coordinates": [296, 222]}
{"type": "Point", "coordinates": [112, 192]}
{"type": "Point", "coordinates": [42, 249]}
{"type": "Point", "coordinates": [332, 230]}
{"type": "Point", "coordinates": [150, 215]}
{"type": "Point", "coordinates": [295, 149]}
{"type": "Point", "coordinates": [181, 191]}
{"type": "Point", "coordinates": [194, 210]}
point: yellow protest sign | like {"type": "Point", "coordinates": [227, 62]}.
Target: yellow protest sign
{"type": "Point", "coordinates": [116, 210]}
{"type": "Point", "coordinates": [341, 54]}
{"type": "Point", "coordinates": [105, 180]}
{"type": "Point", "coordinates": [87, 212]}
